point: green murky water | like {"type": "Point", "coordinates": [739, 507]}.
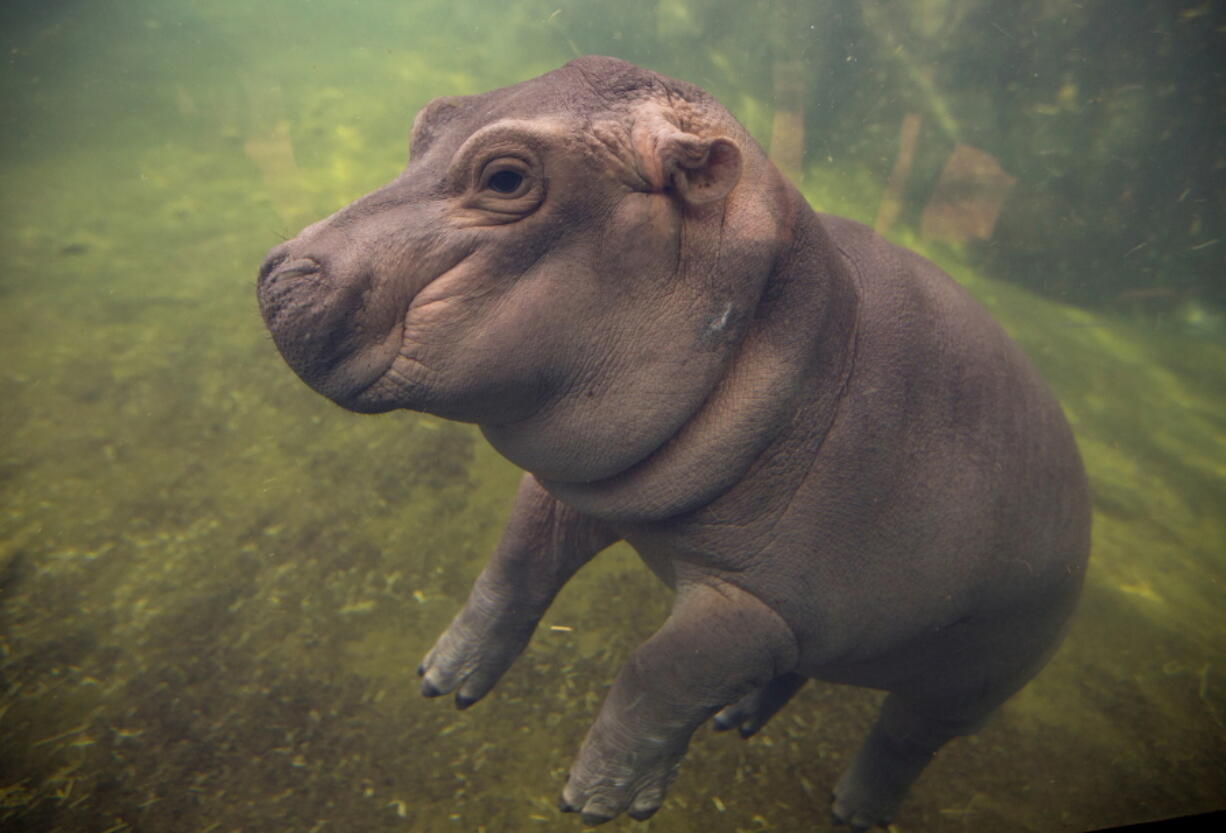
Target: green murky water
{"type": "Point", "coordinates": [214, 585]}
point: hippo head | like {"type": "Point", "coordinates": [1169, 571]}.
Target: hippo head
{"type": "Point", "coordinates": [569, 262]}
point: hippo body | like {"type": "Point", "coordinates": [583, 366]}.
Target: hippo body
{"type": "Point", "coordinates": [840, 464]}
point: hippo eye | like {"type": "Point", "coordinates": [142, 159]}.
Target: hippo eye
{"type": "Point", "coordinates": [506, 177]}
{"type": "Point", "coordinates": [506, 182]}
{"type": "Point", "coordinates": [507, 188]}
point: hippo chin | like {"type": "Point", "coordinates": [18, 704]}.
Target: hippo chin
{"type": "Point", "coordinates": [840, 464]}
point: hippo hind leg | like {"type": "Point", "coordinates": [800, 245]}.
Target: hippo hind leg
{"type": "Point", "coordinates": [900, 744]}
{"type": "Point", "coordinates": [955, 694]}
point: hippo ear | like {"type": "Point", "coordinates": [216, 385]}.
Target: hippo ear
{"type": "Point", "coordinates": [700, 170]}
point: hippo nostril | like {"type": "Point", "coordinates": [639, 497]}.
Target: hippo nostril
{"type": "Point", "coordinates": [299, 267]}
{"type": "Point", "coordinates": [279, 265]}
{"type": "Point", "coordinates": [270, 263]}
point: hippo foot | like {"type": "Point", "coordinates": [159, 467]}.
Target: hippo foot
{"type": "Point", "coordinates": [844, 811]}
{"type": "Point", "coordinates": [631, 781]}
{"type": "Point", "coordinates": [751, 712]}
{"type": "Point", "coordinates": [870, 792]}
{"type": "Point", "coordinates": [470, 657]}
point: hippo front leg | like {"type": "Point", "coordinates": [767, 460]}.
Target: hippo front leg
{"type": "Point", "coordinates": [542, 546]}
{"type": "Point", "coordinates": [718, 645]}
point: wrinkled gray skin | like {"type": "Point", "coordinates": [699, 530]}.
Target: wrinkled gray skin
{"type": "Point", "coordinates": [842, 466]}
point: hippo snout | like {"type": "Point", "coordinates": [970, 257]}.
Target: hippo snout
{"type": "Point", "coordinates": [310, 307]}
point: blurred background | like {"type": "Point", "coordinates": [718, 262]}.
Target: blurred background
{"type": "Point", "coordinates": [215, 585]}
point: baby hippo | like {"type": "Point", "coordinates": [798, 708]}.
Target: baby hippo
{"type": "Point", "coordinates": [840, 464]}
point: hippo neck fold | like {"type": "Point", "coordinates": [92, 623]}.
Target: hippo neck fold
{"type": "Point", "coordinates": [802, 331]}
